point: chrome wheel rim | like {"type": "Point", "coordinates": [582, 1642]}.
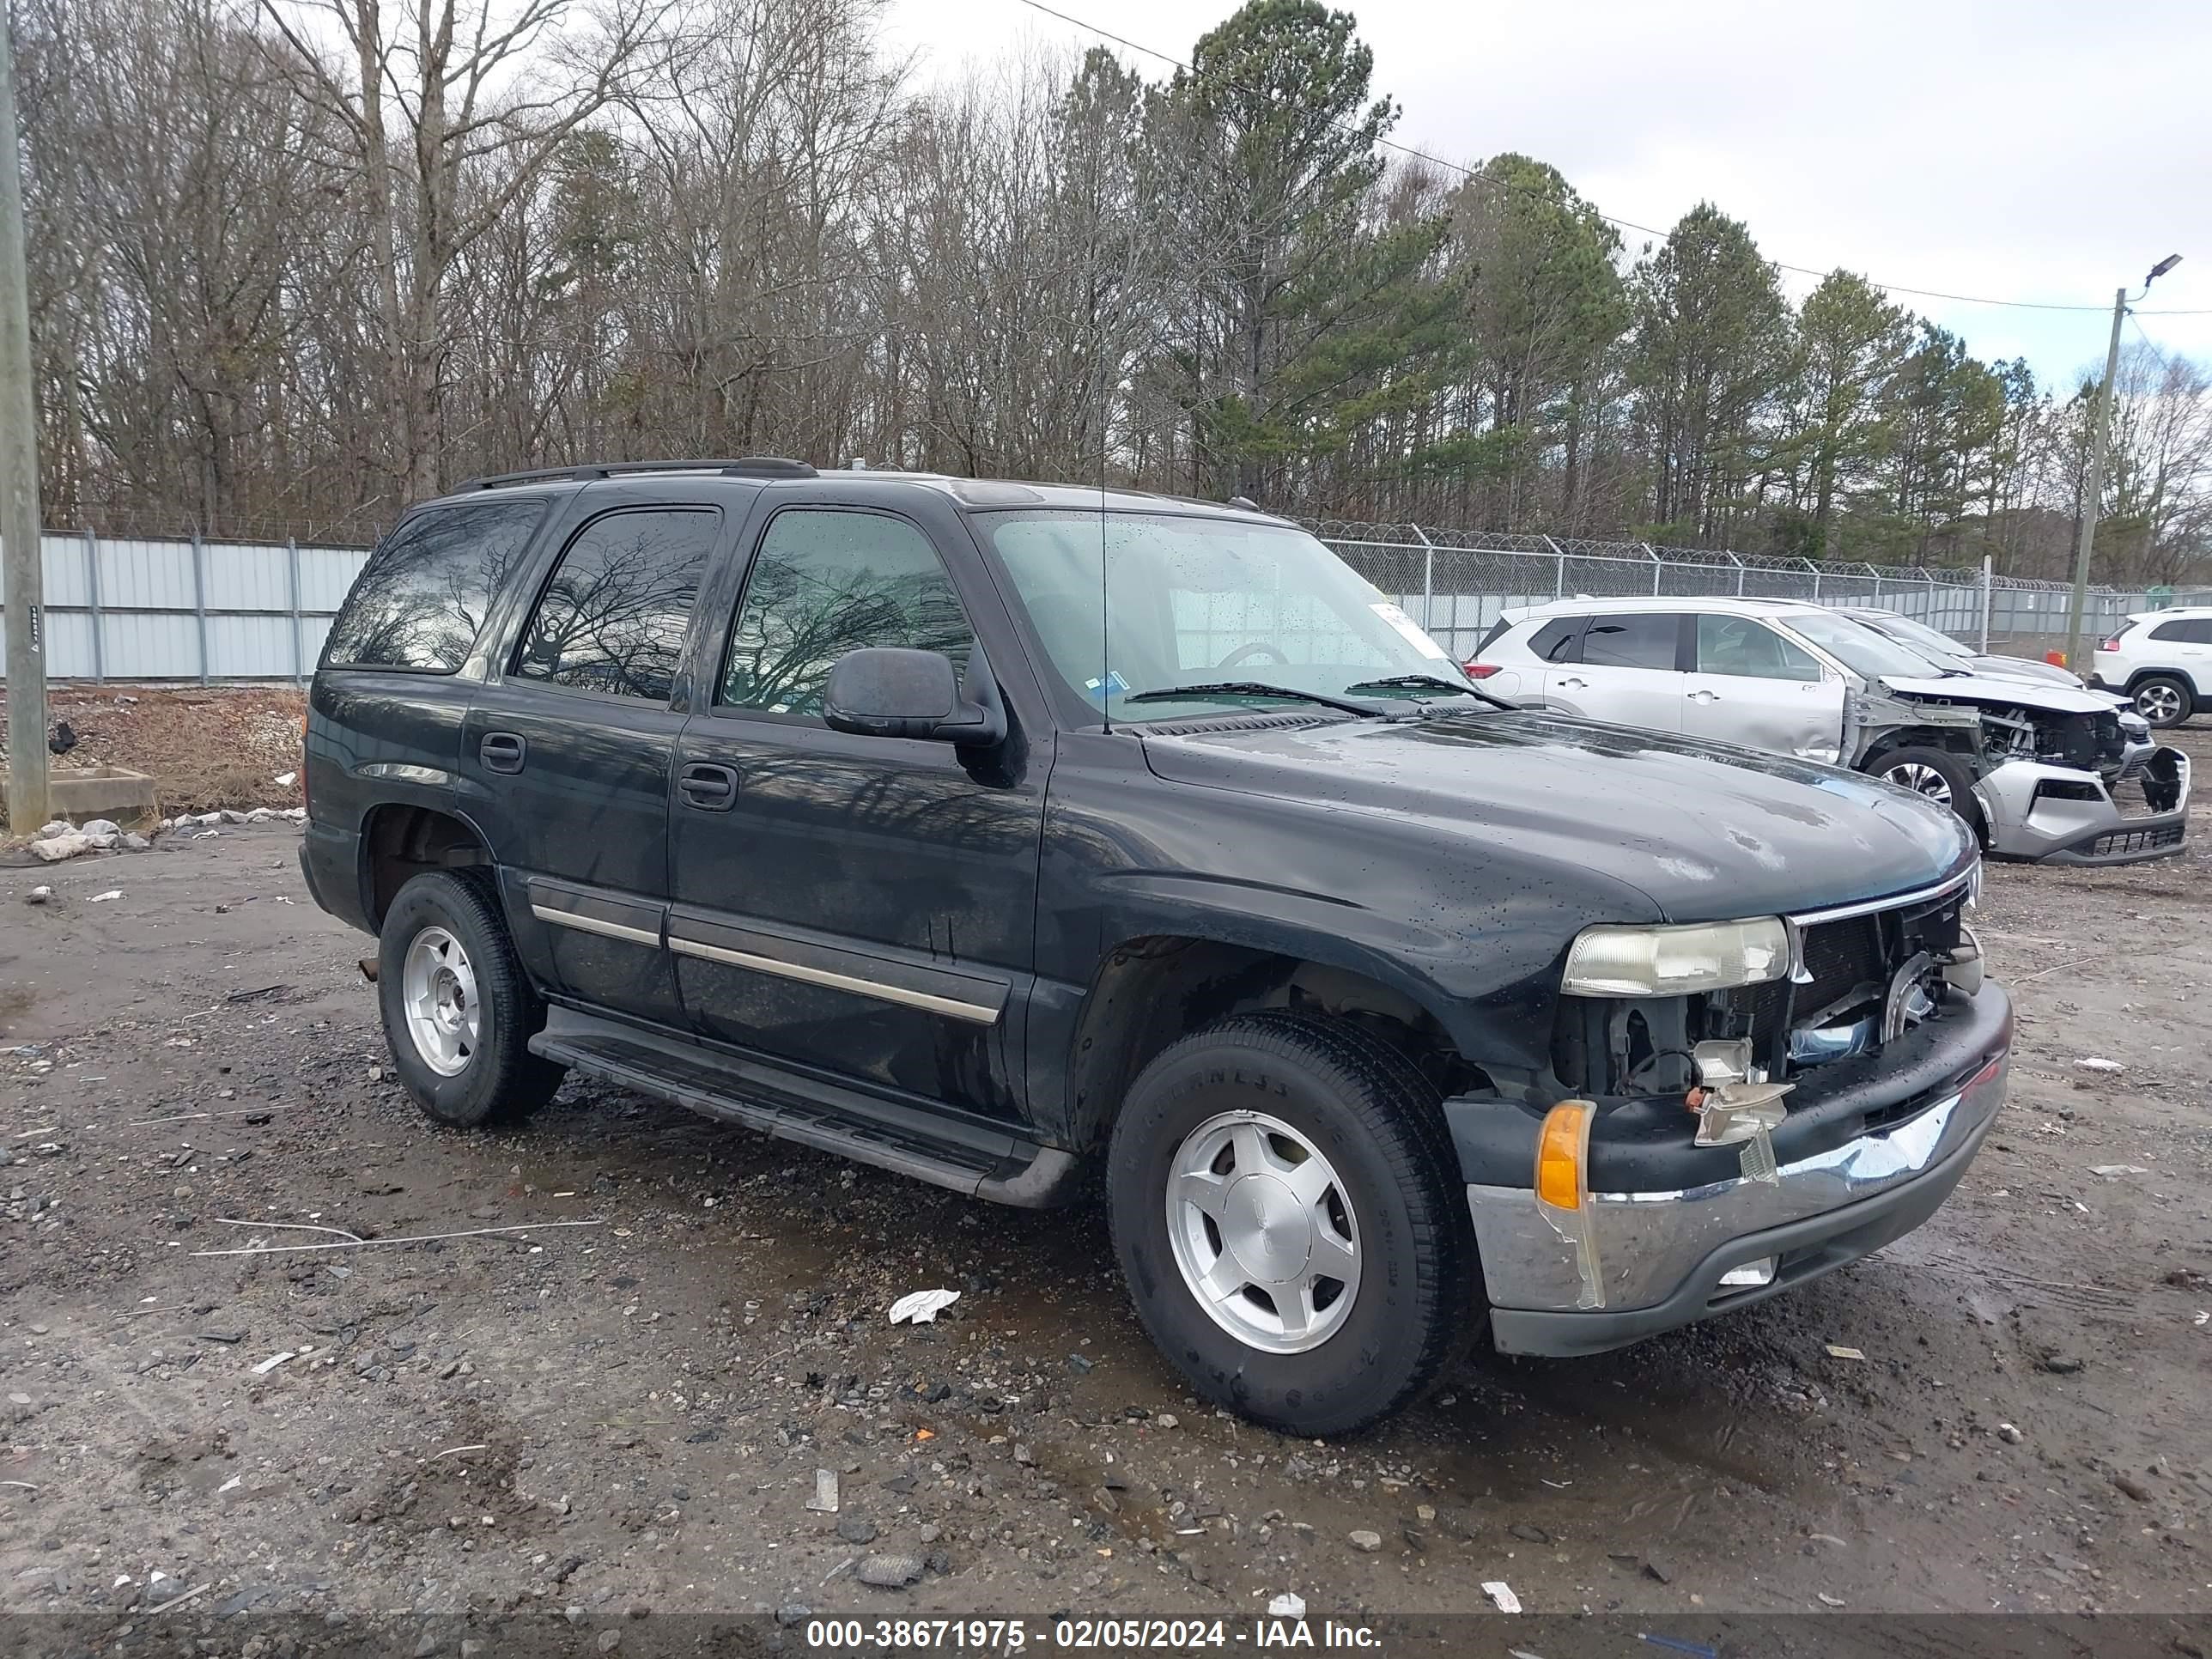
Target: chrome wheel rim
{"type": "Point", "coordinates": [1922, 780]}
{"type": "Point", "coordinates": [2159, 704]}
{"type": "Point", "coordinates": [1263, 1232]}
{"type": "Point", "coordinates": [438, 989]}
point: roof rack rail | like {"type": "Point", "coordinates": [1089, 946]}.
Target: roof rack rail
{"type": "Point", "coordinates": [743, 466]}
{"type": "Point", "coordinates": [770, 466]}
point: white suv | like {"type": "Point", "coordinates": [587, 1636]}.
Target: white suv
{"type": "Point", "coordinates": [2051, 772]}
{"type": "Point", "coordinates": [2162, 660]}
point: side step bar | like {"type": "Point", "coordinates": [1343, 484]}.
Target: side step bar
{"type": "Point", "coordinates": [966, 1157]}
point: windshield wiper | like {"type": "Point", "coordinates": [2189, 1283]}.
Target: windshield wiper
{"type": "Point", "coordinates": [1254, 689]}
{"type": "Point", "coordinates": [1429, 683]}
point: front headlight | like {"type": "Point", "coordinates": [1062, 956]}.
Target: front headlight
{"type": "Point", "coordinates": [1672, 962]}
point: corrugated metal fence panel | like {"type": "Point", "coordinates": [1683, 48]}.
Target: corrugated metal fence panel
{"type": "Point", "coordinates": [143, 575]}
{"type": "Point", "coordinates": [145, 644]}
{"type": "Point", "coordinates": [247, 578]}
{"type": "Point", "coordinates": [314, 631]}
{"type": "Point", "coordinates": [148, 601]}
{"type": "Point", "coordinates": [69, 646]}
{"type": "Point", "coordinates": [68, 580]}
{"type": "Point", "coordinates": [256, 647]}
{"type": "Point", "coordinates": [63, 560]}
{"type": "Point", "coordinates": [326, 575]}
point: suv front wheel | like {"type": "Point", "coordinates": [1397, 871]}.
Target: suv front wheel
{"type": "Point", "coordinates": [1288, 1214]}
{"type": "Point", "coordinates": [1935, 776]}
{"type": "Point", "coordinates": [459, 1012]}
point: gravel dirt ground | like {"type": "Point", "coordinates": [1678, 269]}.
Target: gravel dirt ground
{"type": "Point", "coordinates": [205, 746]}
{"type": "Point", "coordinates": [626, 1414]}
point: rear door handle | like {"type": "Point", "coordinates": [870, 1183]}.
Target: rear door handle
{"type": "Point", "coordinates": [709, 788]}
{"type": "Point", "coordinates": [502, 751]}
{"type": "Point", "coordinates": [1577, 684]}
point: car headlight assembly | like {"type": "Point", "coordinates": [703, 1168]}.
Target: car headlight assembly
{"type": "Point", "coordinates": [1672, 962]}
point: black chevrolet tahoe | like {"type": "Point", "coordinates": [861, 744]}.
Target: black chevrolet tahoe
{"type": "Point", "coordinates": [1032, 841]}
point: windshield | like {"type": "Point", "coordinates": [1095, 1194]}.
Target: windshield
{"type": "Point", "coordinates": [1863, 651]}
{"type": "Point", "coordinates": [1920, 636]}
{"type": "Point", "coordinates": [1189, 601]}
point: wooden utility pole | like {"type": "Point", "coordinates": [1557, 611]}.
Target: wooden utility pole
{"type": "Point", "coordinates": [19, 486]}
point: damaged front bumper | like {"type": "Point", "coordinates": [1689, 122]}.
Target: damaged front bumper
{"type": "Point", "coordinates": [1865, 1155]}
{"type": "Point", "coordinates": [2060, 815]}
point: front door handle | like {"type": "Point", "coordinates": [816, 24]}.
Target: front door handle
{"type": "Point", "coordinates": [1703, 696]}
{"type": "Point", "coordinates": [502, 751]}
{"type": "Point", "coordinates": [709, 788]}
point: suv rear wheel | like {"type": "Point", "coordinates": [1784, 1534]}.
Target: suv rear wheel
{"type": "Point", "coordinates": [2165, 700]}
{"type": "Point", "coordinates": [1289, 1216]}
{"type": "Point", "coordinates": [458, 1012]}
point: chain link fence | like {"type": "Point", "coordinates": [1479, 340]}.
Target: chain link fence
{"type": "Point", "coordinates": [1456, 583]}
{"type": "Point", "coordinates": [189, 608]}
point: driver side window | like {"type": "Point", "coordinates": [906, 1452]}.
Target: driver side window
{"type": "Point", "coordinates": [826, 582]}
{"type": "Point", "coordinates": [1749, 649]}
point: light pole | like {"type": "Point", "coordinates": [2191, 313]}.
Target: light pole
{"type": "Point", "coordinates": [2093, 486]}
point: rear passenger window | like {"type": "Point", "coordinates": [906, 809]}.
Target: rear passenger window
{"type": "Point", "coordinates": [420, 601]}
{"type": "Point", "coordinates": [829, 583]}
{"type": "Point", "coordinates": [612, 617]}
{"type": "Point", "coordinates": [1556, 640]}
{"type": "Point", "coordinates": [1632, 641]}
{"type": "Point", "coordinates": [2183, 633]}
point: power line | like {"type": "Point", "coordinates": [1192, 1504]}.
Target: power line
{"type": "Point", "coordinates": [1417, 155]}
{"type": "Point", "coordinates": [2149, 344]}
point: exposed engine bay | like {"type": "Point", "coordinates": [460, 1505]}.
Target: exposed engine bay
{"type": "Point", "coordinates": [2064, 774]}
{"type": "Point", "coordinates": [1982, 721]}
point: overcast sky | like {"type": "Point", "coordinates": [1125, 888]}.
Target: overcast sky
{"type": "Point", "coordinates": [2030, 149]}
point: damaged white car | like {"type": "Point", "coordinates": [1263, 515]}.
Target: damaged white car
{"type": "Point", "coordinates": [2039, 771]}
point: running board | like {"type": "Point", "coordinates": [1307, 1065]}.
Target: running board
{"type": "Point", "coordinates": [966, 1157]}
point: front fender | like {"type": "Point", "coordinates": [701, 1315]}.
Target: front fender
{"type": "Point", "coordinates": [1474, 938]}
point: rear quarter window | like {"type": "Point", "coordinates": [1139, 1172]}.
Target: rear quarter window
{"type": "Point", "coordinates": [1558, 639]}
{"type": "Point", "coordinates": [420, 601]}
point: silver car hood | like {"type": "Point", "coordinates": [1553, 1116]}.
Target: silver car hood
{"type": "Point", "coordinates": [2012, 693]}
{"type": "Point", "coordinates": [2020, 668]}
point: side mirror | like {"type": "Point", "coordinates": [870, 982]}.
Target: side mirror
{"type": "Point", "coordinates": [883, 691]}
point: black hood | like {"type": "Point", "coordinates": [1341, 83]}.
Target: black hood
{"type": "Point", "coordinates": [1706, 832]}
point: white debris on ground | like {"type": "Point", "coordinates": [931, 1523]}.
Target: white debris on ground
{"type": "Point", "coordinates": [61, 839]}
{"type": "Point", "coordinates": [922, 1307]}
{"type": "Point", "coordinates": [232, 815]}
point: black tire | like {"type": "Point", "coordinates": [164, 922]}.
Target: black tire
{"type": "Point", "coordinates": [1910, 768]}
{"type": "Point", "coordinates": [1419, 1302]}
{"type": "Point", "coordinates": [499, 1079]}
{"type": "Point", "coordinates": [2174, 698]}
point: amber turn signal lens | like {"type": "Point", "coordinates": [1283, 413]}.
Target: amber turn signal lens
{"type": "Point", "coordinates": [1560, 1148]}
